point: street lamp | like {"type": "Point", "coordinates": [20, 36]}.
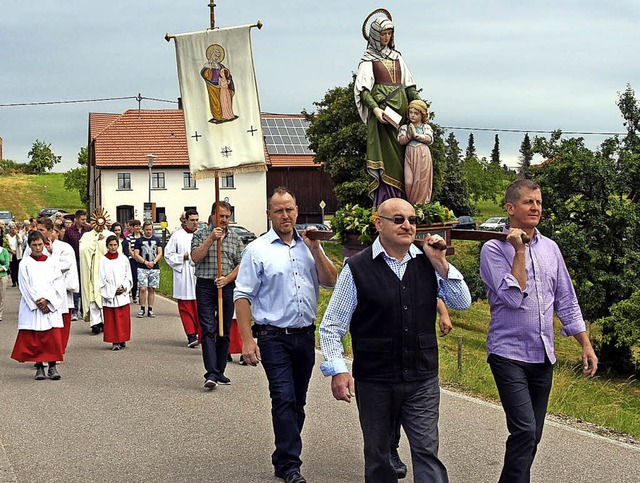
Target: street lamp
{"type": "Point", "coordinates": [150, 158]}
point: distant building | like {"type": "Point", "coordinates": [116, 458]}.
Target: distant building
{"type": "Point", "coordinates": [120, 180]}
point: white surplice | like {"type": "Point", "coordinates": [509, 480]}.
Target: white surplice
{"type": "Point", "coordinates": [113, 274]}
{"type": "Point", "coordinates": [184, 278]}
{"type": "Point", "coordinates": [40, 280]}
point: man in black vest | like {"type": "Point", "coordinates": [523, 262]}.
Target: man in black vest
{"type": "Point", "coordinates": [386, 296]}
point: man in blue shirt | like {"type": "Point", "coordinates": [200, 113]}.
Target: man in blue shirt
{"type": "Point", "coordinates": [278, 283]}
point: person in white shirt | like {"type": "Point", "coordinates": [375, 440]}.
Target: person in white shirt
{"type": "Point", "coordinates": [177, 255]}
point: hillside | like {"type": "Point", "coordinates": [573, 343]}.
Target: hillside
{"type": "Point", "coordinates": [25, 195]}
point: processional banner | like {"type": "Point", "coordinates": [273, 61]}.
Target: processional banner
{"type": "Point", "coordinates": [220, 102]}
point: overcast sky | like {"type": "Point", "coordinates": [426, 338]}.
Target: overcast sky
{"type": "Point", "coordinates": [536, 65]}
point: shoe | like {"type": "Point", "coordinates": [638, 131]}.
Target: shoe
{"type": "Point", "coordinates": [210, 384]}
{"type": "Point", "coordinates": [115, 347]}
{"type": "Point", "coordinates": [398, 465]}
{"type": "Point", "coordinates": [134, 300]}
{"type": "Point", "coordinates": [95, 329]}
{"type": "Point", "coordinates": [40, 373]}
{"type": "Point", "coordinates": [123, 345]}
{"type": "Point", "coordinates": [150, 314]}
{"type": "Point", "coordinates": [13, 284]}
{"type": "Point", "coordinates": [242, 362]}
{"type": "Point", "coordinates": [229, 358]}
{"type": "Point", "coordinates": [141, 313]}
{"type": "Point", "coordinates": [53, 373]}
{"type": "Point", "coordinates": [192, 340]}
{"type": "Point", "coordinates": [223, 380]}
{"type": "Point", "coordinates": [74, 316]}
{"type": "Point", "coordinates": [291, 477]}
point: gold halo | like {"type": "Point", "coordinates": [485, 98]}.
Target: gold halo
{"type": "Point", "coordinates": [99, 219]}
{"type": "Point", "coordinates": [364, 24]}
{"type": "Point", "coordinates": [212, 47]}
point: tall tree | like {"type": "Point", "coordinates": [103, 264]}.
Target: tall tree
{"type": "Point", "coordinates": [41, 158]}
{"type": "Point", "coordinates": [495, 152]}
{"type": "Point", "coordinates": [339, 138]}
{"type": "Point", "coordinates": [76, 179]}
{"type": "Point", "coordinates": [455, 191]}
{"type": "Point", "coordinates": [471, 148]}
{"type": "Point", "coordinates": [526, 155]}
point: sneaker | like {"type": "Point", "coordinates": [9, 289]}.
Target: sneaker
{"type": "Point", "coordinates": [123, 345]}
{"type": "Point", "coordinates": [74, 316]}
{"type": "Point", "coordinates": [192, 340]}
{"type": "Point", "coordinates": [115, 347]}
{"type": "Point", "coordinates": [134, 300]}
{"type": "Point", "coordinates": [150, 314]}
{"type": "Point", "coordinates": [141, 312]}
{"type": "Point", "coordinates": [229, 358]}
{"type": "Point", "coordinates": [210, 384]}
{"type": "Point", "coordinates": [53, 373]}
{"type": "Point", "coordinates": [398, 465]}
{"type": "Point", "coordinates": [95, 329]}
{"type": "Point", "coordinates": [291, 477]}
{"type": "Point", "coordinates": [40, 373]}
{"type": "Point", "coordinates": [242, 362]}
{"type": "Point", "coordinates": [223, 380]}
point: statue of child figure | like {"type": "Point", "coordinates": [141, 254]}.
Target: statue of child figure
{"type": "Point", "coordinates": [417, 135]}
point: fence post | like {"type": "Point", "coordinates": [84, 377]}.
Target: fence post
{"type": "Point", "coordinates": [459, 355]}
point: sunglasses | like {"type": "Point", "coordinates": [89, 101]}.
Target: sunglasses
{"type": "Point", "coordinates": [399, 220]}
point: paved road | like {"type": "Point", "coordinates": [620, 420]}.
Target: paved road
{"type": "Point", "coordinates": [141, 415]}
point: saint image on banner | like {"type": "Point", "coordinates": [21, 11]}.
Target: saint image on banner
{"type": "Point", "coordinates": [220, 86]}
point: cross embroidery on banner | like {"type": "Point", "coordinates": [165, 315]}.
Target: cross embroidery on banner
{"type": "Point", "coordinates": [197, 136]}
{"type": "Point", "coordinates": [252, 130]}
{"type": "Point", "coordinates": [226, 151]}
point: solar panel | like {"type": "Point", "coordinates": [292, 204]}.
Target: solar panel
{"type": "Point", "coordinates": [286, 135]}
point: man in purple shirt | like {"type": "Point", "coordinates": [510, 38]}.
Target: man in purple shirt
{"type": "Point", "coordinates": [526, 283]}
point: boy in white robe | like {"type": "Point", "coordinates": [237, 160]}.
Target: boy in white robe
{"type": "Point", "coordinates": [40, 314]}
{"type": "Point", "coordinates": [115, 281]}
{"type": "Point", "coordinates": [177, 255]}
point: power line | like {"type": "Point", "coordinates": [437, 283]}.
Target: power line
{"type": "Point", "coordinates": [78, 101]}
{"type": "Point", "coordinates": [534, 131]}
{"type": "Point", "coordinates": [458, 128]}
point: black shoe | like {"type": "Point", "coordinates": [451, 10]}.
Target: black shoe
{"type": "Point", "coordinates": [192, 340]}
{"type": "Point", "coordinates": [115, 347]}
{"type": "Point", "coordinates": [123, 345]}
{"type": "Point", "coordinates": [40, 373]}
{"type": "Point", "coordinates": [291, 477]}
{"type": "Point", "coordinates": [242, 362]}
{"type": "Point", "coordinates": [398, 465]}
{"type": "Point", "coordinates": [95, 329]}
{"type": "Point", "coordinates": [210, 384]}
{"type": "Point", "coordinates": [223, 380]}
{"type": "Point", "coordinates": [229, 358]}
{"type": "Point", "coordinates": [53, 373]}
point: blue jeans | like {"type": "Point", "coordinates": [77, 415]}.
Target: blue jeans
{"type": "Point", "coordinates": [214, 347]}
{"type": "Point", "coordinates": [524, 393]}
{"type": "Point", "coordinates": [416, 405]}
{"type": "Point", "coordinates": [288, 360]}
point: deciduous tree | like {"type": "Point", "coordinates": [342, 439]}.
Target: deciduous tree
{"type": "Point", "coordinates": [41, 158]}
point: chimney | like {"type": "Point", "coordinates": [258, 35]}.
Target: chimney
{"type": "Point", "coordinates": [180, 103]}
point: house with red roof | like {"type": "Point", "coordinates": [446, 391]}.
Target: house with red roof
{"type": "Point", "coordinates": [123, 176]}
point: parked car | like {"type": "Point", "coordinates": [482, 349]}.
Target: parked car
{"type": "Point", "coordinates": [245, 235]}
{"type": "Point", "coordinates": [494, 224]}
{"type": "Point", "coordinates": [47, 212]}
{"type": "Point", "coordinates": [465, 223]}
{"type": "Point", "coordinates": [7, 217]}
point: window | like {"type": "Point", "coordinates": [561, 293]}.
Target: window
{"type": "Point", "coordinates": [227, 182]}
{"type": "Point", "coordinates": [188, 181]}
{"type": "Point", "coordinates": [124, 181]}
{"type": "Point", "coordinates": [157, 181]}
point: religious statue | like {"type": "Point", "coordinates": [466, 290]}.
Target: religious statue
{"type": "Point", "coordinates": [416, 136]}
{"type": "Point", "coordinates": [382, 90]}
{"type": "Point", "coordinates": [220, 87]}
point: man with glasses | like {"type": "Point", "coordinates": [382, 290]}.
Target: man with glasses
{"type": "Point", "coordinates": [178, 257]}
{"type": "Point", "coordinates": [386, 296]}
{"type": "Point", "coordinates": [209, 279]}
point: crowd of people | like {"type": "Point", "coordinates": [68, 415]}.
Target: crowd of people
{"type": "Point", "coordinates": [388, 297]}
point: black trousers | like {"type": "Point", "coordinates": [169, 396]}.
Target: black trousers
{"type": "Point", "coordinates": [524, 393]}
{"type": "Point", "coordinates": [14, 265]}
